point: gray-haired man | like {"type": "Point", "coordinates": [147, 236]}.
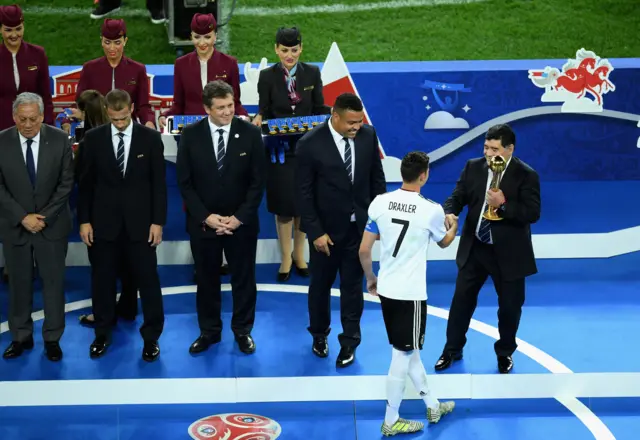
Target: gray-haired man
{"type": "Point", "coordinates": [36, 178]}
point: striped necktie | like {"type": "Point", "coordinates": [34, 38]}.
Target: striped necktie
{"type": "Point", "coordinates": [484, 232]}
{"type": "Point", "coordinates": [347, 158]}
{"type": "Point", "coordinates": [120, 154]}
{"type": "Point", "coordinates": [221, 149]}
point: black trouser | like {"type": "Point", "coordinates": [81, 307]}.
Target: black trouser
{"type": "Point", "coordinates": [323, 270]}
{"type": "Point", "coordinates": [141, 260]}
{"type": "Point", "coordinates": [481, 264]}
{"type": "Point", "coordinates": [50, 258]}
{"type": "Point", "coordinates": [128, 303]}
{"type": "Point", "coordinates": [127, 306]}
{"type": "Point", "coordinates": [240, 250]}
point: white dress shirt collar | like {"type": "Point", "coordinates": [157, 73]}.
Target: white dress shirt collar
{"type": "Point", "coordinates": [337, 136]}
{"type": "Point", "coordinates": [127, 132]}
{"type": "Point", "coordinates": [35, 139]}
{"type": "Point", "coordinates": [214, 128]}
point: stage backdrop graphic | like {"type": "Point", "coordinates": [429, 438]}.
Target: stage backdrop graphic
{"type": "Point", "coordinates": [577, 123]}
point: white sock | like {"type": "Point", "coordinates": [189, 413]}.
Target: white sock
{"type": "Point", "coordinates": [396, 380]}
{"type": "Point", "coordinates": [419, 378]}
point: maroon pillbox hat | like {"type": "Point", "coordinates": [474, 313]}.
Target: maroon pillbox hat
{"type": "Point", "coordinates": [113, 29]}
{"type": "Point", "coordinates": [11, 16]}
{"type": "Point", "coordinates": [202, 24]}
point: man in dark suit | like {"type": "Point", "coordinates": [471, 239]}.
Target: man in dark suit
{"type": "Point", "coordinates": [36, 178]}
{"type": "Point", "coordinates": [339, 173]}
{"type": "Point", "coordinates": [500, 249]}
{"type": "Point", "coordinates": [221, 176]}
{"type": "Point", "coordinates": [122, 207]}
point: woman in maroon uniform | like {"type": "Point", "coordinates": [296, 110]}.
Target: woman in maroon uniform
{"type": "Point", "coordinates": [194, 70]}
{"type": "Point", "coordinates": [23, 67]}
{"type": "Point", "coordinates": [116, 71]}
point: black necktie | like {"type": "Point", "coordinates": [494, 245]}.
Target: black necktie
{"type": "Point", "coordinates": [31, 163]}
{"type": "Point", "coordinates": [221, 150]}
{"type": "Point", "coordinates": [120, 154]}
{"type": "Point", "coordinates": [347, 158]}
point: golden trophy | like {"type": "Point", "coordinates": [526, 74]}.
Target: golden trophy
{"type": "Point", "coordinates": [497, 165]}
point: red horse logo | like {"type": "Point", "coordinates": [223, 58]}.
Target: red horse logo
{"type": "Point", "coordinates": [587, 73]}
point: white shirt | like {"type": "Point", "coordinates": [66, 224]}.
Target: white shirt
{"type": "Point", "coordinates": [339, 141]}
{"type": "Point", "coordinates": [203, 72]}
{"type": "Point", "coordinates": [215, 135]}
{"type": "Point", "coordinates": [16, 74]}
{"type": "Point", "coordinates": [407, 223]}
{"type": "Point", "coordinates": [128, 132]}
{"type": "Point", "coordinates": [35, 148]}
{"type": "Point", "coordinates": [484, 208]}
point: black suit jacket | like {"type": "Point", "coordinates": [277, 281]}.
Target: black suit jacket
{"type": "Point", "coordinates": [54, 182]}
{"type": "Point", "coordinates": [237, 191]}
{"type": "Point", "coordinates": [325, 195]}
{"type": "Point", "coordinates": [110, 201]}
{"type": "Point", "coordinates": [512, 235]}
{"type": "Point", "coordinates": [274, 98]}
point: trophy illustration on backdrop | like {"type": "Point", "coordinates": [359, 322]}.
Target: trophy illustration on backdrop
{"type": "Point", "coordinates": [497, 165]}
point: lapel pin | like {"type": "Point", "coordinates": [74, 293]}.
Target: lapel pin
{"type": "Point", "coordinates": [237, 136]}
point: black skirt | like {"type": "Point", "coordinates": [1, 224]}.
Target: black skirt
{"type": "Point", "coordinates": [281, 166]}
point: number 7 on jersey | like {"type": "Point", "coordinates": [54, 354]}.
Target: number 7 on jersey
{"type": "Point", "coordinates": [405, 226]}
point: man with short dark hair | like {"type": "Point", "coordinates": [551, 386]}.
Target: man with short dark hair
{"type": "Point", "coordinates": [122, 208]}
{"type": "Point", "coordinates": [36, 178]}
{"type": "Point", "coordinates": [338, 173]}
{"type": "Point", "coordinates": [499, 248]}
{"type": "Point", "coordinates": [405, 223]}
{"type": "Point", "coordinates": [221, 169]}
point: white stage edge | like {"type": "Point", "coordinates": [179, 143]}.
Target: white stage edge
{"type": "Point", "coordinates": [312, 389]}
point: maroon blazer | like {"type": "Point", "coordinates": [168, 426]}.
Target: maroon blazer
{"type": "Point", "coordinates": [33, 68]}
{"type": "Point", "coordinates": [130, 76]}
{"type": "Point", "coordinates": [187, 85]}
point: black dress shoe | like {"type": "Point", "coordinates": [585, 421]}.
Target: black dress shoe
{"type": "Point", "coordinates": [246, 344]}
{"type": "Point", "coordinates": [203, 343]}
{"type": "Point", "coordinates": [15, 349]}
{"type": "Point", "coordinates": [320, 346]}
{"type": "Point", "coordinates": [53, 351]}
{"type": "Point", "coordinates": [505, 364]}
{"type": "Point", "coordinates": [346, 357]}
{"type": "Point", "coordinates": [446, 359]}
{"type": "Point", "coordinates": [99, 347]}
{"type": "Point", "coordinates": [151, 351]}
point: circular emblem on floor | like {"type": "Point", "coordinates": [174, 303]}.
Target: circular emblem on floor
{"type": "Point", "coordinates": [235, 426]}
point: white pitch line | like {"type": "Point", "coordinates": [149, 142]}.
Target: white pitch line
{"type": "Point", "coordinates": [592, 422]}
{"type": "Point", "coordinates": [338, 8]}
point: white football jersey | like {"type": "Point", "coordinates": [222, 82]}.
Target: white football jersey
{"type": "Point", "coordinates": [407, 223]}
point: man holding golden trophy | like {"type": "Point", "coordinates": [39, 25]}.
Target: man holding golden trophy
{"type": "Point", "coordinates": [502, 194]}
